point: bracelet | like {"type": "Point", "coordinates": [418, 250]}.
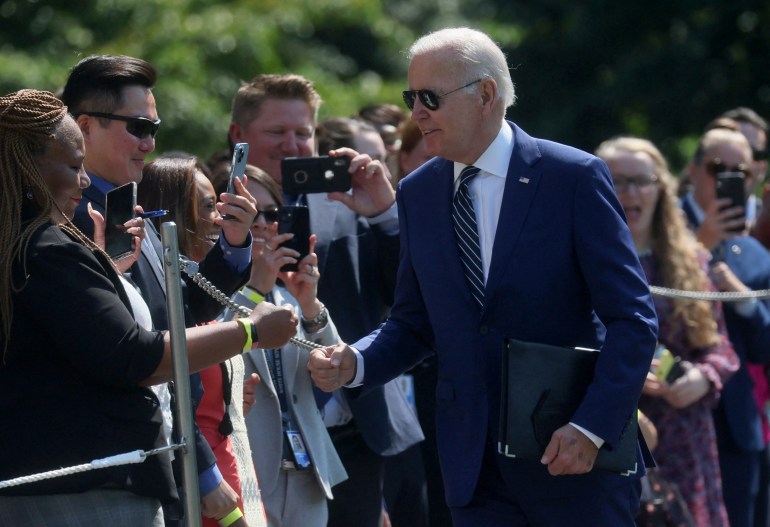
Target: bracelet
{"type": "Point", "coordinates": [317, 321]}
{"type": "Point", "coordinates": [231, 518]}
{"type": "Point", "coordinates": [252, 294]}
{"type": "Point", "coordinates": [251, 333]}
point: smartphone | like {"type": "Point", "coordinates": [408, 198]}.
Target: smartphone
{"type": "Point", "coordinates": [119, 208]}
{"type": "Point", "coordinates": [237, 169]}
{"type": "Point", "coordinates": [670, 367]}
{"type": "Point", "coordinates": [731, 185]}
{"type": "Point", "coordinates": [297, 221]}
{"type": "Point", "coordinates": [309, 175]}
{"type": "Point", "coordinates": [238, 164]}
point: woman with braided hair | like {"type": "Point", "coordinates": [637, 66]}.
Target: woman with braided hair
{"type": "Point", "coordinates": [68, 395]}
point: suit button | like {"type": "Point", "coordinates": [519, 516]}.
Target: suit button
{"type": "Point", "coordinates": [483, 330]}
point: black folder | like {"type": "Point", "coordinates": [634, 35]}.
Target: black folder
{"type": "Point", "coordinates": [542, 387]}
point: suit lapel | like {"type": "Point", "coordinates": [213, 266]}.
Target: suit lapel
{"type": "Point", "coordinates": [151, 252]}
{"type": "Point", "coordinates": [521, 185]}
{"type": "Point", "coordinates": [442, 188]}
{"type": "Point", "coordinates": [259, 364]}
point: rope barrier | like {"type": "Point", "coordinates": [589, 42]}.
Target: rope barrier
{"type": "Point", "coordinates": [127, 458]}
{"type": "Point", "coordinates": [710, 295]}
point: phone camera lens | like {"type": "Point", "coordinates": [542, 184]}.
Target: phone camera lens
{"type": "Point", "coordinates": [300, 177]}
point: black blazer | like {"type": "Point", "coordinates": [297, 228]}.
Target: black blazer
{"type": "Point", "coordinates": [69, 383]}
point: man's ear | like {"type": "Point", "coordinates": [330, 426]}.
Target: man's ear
{"type": "Point", "coordinates": [236, 133]}
{"type": "Point", "coordinates": [488, 91]}
{"type": "Point", "coordinates": [84, 122]}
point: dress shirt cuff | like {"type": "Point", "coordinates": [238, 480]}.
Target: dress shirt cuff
{"type": "Point", "coordinates": [239, 258]}
{"type": "Point", "coordinates": [388, 220]}
{"type": "Point", "coordinates": [746, 308]}
{"type": "Point", "coordinates": [209, 479]}
{"type": "Point", "coordinates": [359, 378]}
{"type": "Point", "coordinates": [595, 439]}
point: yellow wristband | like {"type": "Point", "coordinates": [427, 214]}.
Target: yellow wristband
{"type": "Point", "coordinates": [248, 326]}
{"type": "Point", "coordinates": [252, 294]}
{"type": "Point", "coordinates": [231, 518]}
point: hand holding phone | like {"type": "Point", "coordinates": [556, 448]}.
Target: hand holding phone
{"type": "Point", "coordinates": [731, 185]}
{"type": "Point", "coordinates": [670, 367]}
{"type": "Point", "coordinates": [119, 208]}
{"type": "Point", "coordinates": [237, 168]}
{"type": "Point", "coordinates": [295, 220]}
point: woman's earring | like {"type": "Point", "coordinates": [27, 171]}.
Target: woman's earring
{"type": "Point", "coordinates": [29, 194]}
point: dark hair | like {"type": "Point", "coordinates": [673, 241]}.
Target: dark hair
{"type": "Point", "coordinates": [96, 83]}
{"type": "Point", "coordinates": [340, 132]}
{"type": "Point", "coordinates": [168, 182]}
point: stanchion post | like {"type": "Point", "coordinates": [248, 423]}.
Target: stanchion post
{"type": "Point", "coordinates": [183, 400]}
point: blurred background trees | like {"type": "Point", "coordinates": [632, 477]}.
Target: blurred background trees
{"type": "Point", "coordinates": [584, 71]}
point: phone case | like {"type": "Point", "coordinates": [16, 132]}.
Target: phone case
{"type": "Point", "coordinates": [297, 221]}
{"type": "Point", "coordinates": [119, 208]}
{"type": "Point", "coordinates": [730, 185]}
{"type": "Point", "coordinates": [309, 175]}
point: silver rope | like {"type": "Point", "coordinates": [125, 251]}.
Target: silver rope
{"type": "Point", "coordinates": [712, 296]}
{"type": "Point", "coordinates": [191, 269]}
{"type": "Point", "coordinates": [137, 456]}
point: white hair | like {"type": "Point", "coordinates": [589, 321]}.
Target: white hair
{"type": "Point", "coordinates": [477, 53]}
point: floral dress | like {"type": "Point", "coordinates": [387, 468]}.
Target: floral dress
{"type": "Point", "coordinates": [687, 449]}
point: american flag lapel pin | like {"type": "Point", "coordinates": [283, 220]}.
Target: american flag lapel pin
{"type": "Point", "coordinates": [524, 180]}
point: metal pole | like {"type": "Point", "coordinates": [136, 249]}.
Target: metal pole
{"type": "Point", "coordinates": [183, 402]}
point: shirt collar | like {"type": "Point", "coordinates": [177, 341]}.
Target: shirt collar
{"type": "Point", "coordinates": [696, 210]}
{"type": "Point", "coordinates": [102, 185]}
{"type": "Point", "coordinates": [496, 157]}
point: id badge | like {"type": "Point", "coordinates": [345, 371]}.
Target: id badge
{"type": "Point", "coordinates": [301, 456]}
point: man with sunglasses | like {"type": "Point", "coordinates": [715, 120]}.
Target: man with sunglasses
{"type": "Point", "coordinates": [507, 236]}
{"type": "Point", "coordinates": [111, 98]}
{"type": "Point", "coordinates": [740, 264]}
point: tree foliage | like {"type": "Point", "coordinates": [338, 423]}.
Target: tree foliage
{"type": "Point", "coordinates": [584, 71]}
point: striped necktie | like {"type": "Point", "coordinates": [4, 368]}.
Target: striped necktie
{"type": "Point", "coordinates": [467, 233]}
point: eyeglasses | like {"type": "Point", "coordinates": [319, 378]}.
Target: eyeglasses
{"type": "Point", "coordinates": [716, 166]}
{"type": "Point", "coordinates": [139, 127]}
{"type": "Point", "coordinates": [270, 214]}
{"type": "Point", "coordinates": [643, 184]}
{"type": "Point", "coordinates": [429, 98]}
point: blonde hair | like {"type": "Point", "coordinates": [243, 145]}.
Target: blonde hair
{"type": "Point", "coordinates": [29, 120]}
{"type": "Point", "coordinates": [674, 247]}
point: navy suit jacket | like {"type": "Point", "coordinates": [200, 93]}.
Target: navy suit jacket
{"type": "Point", "coordinates": [149, 278]}
{"type": "Point", "coordinates": [564, 271]}
{"type": "Point", "coordinates": [358, 264]}
{"type": "Point", "coordinates": [737, 418]}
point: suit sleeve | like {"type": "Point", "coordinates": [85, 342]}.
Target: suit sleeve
{"type": "Point", "coordinates": [215, 268]}
{"type": "Point", "coordinates": [621, 299]}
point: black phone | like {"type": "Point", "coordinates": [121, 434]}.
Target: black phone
{"type": "Point", "coordinates": [119, 208]}
{"type": "Point", "coordinates": [297, 221]}
{"type": "Point", "coordinates": [731, 185]}
{"type": "Point", "coordinates": [308, 175]}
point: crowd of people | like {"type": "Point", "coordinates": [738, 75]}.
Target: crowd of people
{"type": "Point", "coordinates": [460, 232]}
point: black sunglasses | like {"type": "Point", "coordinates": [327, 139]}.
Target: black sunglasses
{"type": "Point", "coordinates": [139, 127]}
{"type": "Point", "coordinates": [717, 167]}
{"type": "Point", "coordinates": [429, 98]}
{"type": "Point", "coordinates": [270, 214]}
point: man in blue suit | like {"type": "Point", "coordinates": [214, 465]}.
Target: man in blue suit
{"type": "Point", "coordinates": [740, 263]}
{"type": "Point", "coordinates": [559, 267]}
